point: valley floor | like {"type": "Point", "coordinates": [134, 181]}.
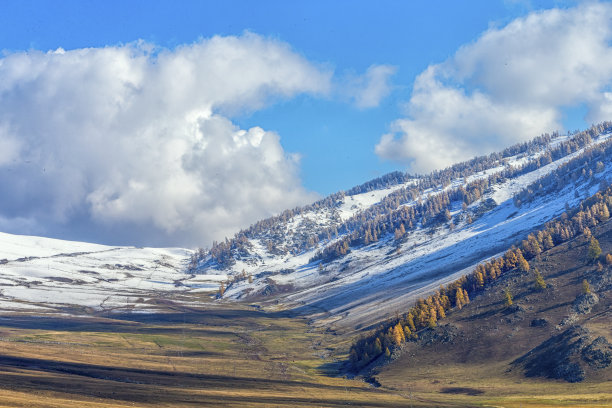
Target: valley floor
{"type": "Point", "coordinates": [228, 356]}
{"type": "Point", "coordinates": [232, 355]}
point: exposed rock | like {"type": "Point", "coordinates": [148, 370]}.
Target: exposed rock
{"type": "Point", "coordinates": [445, 333]}
{"type": "Point", "coordinates": [515, 313]}
{"type": "Point", "coordinates": [567, 355]}
{"type": "Point", "coordinates": [601, 281]}
{"type": "Point", "coordinates": [584, 303]}
{"type": "Point", "coordinates": [598, 354]}
{"type": "Point", "coordinates": [570, 372]}
{"type": "Point", "coordinates": [539, 323]}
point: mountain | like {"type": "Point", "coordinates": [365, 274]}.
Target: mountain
{"type": "Point", "coordinates": [489, 350]}
{"type": "Point", "coordinates": [357, 257]}
{"type": "Point", "coordinates": [403, 281]}
{"type": "Point", "coordinates": [349, 260]}
{"type": "Point", "coordinates": [50, 275]}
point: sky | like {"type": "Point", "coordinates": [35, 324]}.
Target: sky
{"type": "Point", "coordinates": [178, 123]}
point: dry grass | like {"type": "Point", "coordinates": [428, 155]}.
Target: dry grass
{"type": "Point", "coordinates": [476, 368]}
{"type": "Point", "coordinates": [229, 357]}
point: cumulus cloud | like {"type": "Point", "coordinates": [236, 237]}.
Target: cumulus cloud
{"type": "Point", "coordinates": [510, 85]}
{"type": "Point", "coordinates": [369, 89]}
{"type": "Point", "coordinates": [135, 144]}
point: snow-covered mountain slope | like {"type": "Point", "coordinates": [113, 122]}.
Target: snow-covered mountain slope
{"type": "Point", "coordinates": [376, 279]}
{"type": "Point", "coordinates": [50, 275]}
{"type": "Point", "coordinates": [352, 258]}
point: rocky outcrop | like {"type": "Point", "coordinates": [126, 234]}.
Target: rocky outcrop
{"type": "Point", "coordinates": [584, 303]}
{"type": "Point", "coordinates": [445, 333]}
{"type": "Point", "coordinates": [567, 356]}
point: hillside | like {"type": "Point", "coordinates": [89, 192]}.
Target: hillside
{"type": "Point", "coordinates": [348, 261]}
{"type": "Point", "coordinates": [42, 275]}
{"type": "Point", "coordinates": [489, 352]}
{"type": "Point", "coordinates": [150, 326]}
{"type": "Point", "coordinates": [355, 258]}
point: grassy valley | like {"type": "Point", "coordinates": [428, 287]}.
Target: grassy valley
{"type": "Point", "coordinates": [228, 356]}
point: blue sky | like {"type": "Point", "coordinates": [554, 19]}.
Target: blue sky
{"type": "Point", "coordinates": [335, 139]}
{"type": "Point", "coordinates": [437, 98]}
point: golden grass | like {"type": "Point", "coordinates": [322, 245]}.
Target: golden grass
{"type": "Point", "coordinates": [232, 357]}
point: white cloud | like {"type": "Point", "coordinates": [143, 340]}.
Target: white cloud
{"type": "Point", "coordinates": [134, 142]}
{"type": "Point", "coordinates": [509, 85]}
{"type": "Point", "coordinates": [368, 90]}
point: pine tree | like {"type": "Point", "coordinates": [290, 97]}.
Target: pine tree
{"type": "Point", "coordinates": [466, 297]}
{"type": "Point", "coordinates": [510, 259]}
{"type": "Point", "coordinates": [508, 297]}
{"type": "Point", "coordinates": [539, 280]}
{"type": "Point", "coordinates": [523, 265]}
{"type": "Point", "coordinates": [548, 242]}
{"type": "Point", "coordinates": [479, 279]}
{"type": "Point", "coordinates": [459, 298]}
{"type": "Point", "coordinates": [387, 353]}
{"type": "Point", "coordinates": [410, 320]}
{"type": "Point", "coordinates": [398, 334]}
{"type": "Point", "coordinates": [441, 313]}
{"type": "Point", "coordinates": [377, 346]}
{"type": "Point", "coordinates": [586, 288]}
{"type": "Point", "coordinates": [594, 250]}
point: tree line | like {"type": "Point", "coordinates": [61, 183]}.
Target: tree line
{"type": "Point", "coordinates": [399, 212]}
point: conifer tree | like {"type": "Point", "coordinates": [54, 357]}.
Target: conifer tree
{"type": "Point", "coordinates": [508, 297]}
{"type": "Point", "coordinates": [586, 288]}
{"type": "Point", "coordinates": [539, 280]}
{"type": "Point", "coordinates": [466, 297]}
{"type": "Point", "coordinates": [398, 334]}
{"type": "Point", "coordinates": [594, 250]}
{"type": "Point", "coordinates": [548, 242]}
{"type": "Point", "coordinates": [523, 265]}
{"type": "Point", "coordinates": [441, 313]}
{"type": "Point", "coordinates": [410, 320]}
{"type": "Point", "coordinates": [387, 353]}
{"type": "Point", "coordinates": [377, 346]}
{"type": "Point", "coordinates": [459, 301]}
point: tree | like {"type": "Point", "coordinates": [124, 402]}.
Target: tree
{"type": "Point", "coordinates": [221, 289]}
{"type": "Point", "coordinates": [594, 250]}
{"type": "Point", "coordinates": [387, 353]}
{"type": "Point", "coordinates": [410, 321]}
{"type": "Point", "coordinates": [523, 265]}
{"type": "Point", "coordinates": [548, 242]}
{"type": "Point", "coordinates": [466, 297]}
{"type": "Point", "coordinates": [398, 334]}
{"type": "Point", "coordinates": [377, 346]}
{"type": "Point", "coordinates": [508, 297]}
{"type": "Point", "coordinates": [459, 301]}
{"type": "Point", "coordinates": [539, 280]}
{"type": "Point", "coordinates": [586, 288]}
